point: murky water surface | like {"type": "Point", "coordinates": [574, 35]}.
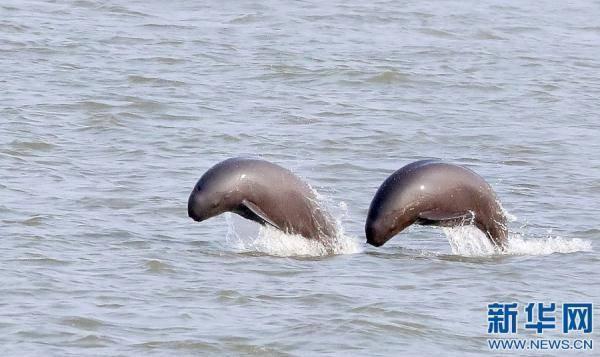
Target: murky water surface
{"type": "Point", "coordinates": [111, 110]}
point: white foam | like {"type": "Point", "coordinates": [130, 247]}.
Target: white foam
{"type": "Point", "coordinates": [247, 236]}
{"type": "Point", "coordinates": [544, 246]}
{"type": "Point", "coordinates": [470, 241]}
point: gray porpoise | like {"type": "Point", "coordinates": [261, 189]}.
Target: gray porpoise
{"type": "Point", "coordinates": [263, 192]}
{"type": "Point", "coordinates": [430, 192]}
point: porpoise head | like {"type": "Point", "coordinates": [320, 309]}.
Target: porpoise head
{"type": "Point", "coordinates": [392, 210]}
{"type": "Point", "coordinates": [380, 229]}
{"type": "Point", "coordinates": [217, 191]}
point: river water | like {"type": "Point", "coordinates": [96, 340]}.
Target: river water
{"type": "Point", "coordinates": [111, 110]}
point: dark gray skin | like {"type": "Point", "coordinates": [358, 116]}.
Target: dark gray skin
{"type": "Point", "coordinates": [262, 192]}
{"type": "Point", "coordinates": [431, 192]}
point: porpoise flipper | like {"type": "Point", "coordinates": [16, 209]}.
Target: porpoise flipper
{"type": "Point", "coordinates": [252, 212]}
{"type": "Point", "coordinates": [445, 219]}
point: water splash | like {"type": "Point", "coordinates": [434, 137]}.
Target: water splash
{"type": "Point", "coordinates": [247, 236]}
{"type": "Point", "coordinates": [544, 246]}
{"type": "Point", "coordinates": [470, 241]}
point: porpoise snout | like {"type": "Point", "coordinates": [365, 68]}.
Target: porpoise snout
{"type": "Point", "coordinates": [374, 242]}
{"type": "Point", "coordinates": [191, 211]}
{"type": "Point", "coordinates": [373, 231]}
